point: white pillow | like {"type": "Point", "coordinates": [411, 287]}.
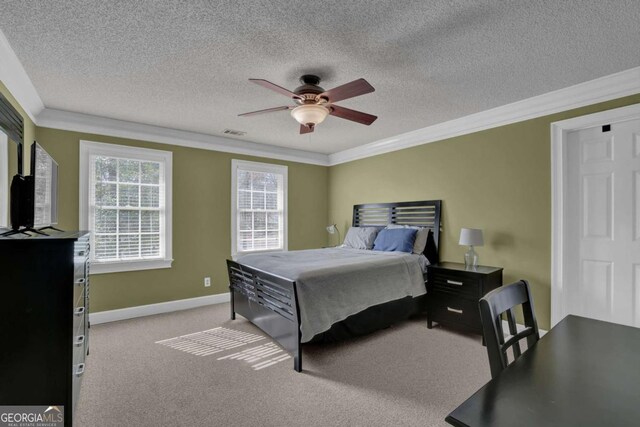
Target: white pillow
{"type": "Point", "coordinates": [360, 237]}
{"type": "Point", "coordinates": [421, 237]}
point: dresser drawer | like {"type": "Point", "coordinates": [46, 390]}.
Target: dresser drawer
{"type": "Point", "coordinates": [81, 248]}
{"type": "Point", "coordinates": [79, 314]}
{"type": "Point", "coordinates": [448, 309]}
{"type": "Point", "coordinates": [78, 342]}
{"type": "Point", "coordinates": [80, 268]}
{"type": "Point", "coordinates": [77, 372]}
{"type": "Point", "coordinates": [78, 292]}
{"type": "Point", "coordinates": [458, 284]}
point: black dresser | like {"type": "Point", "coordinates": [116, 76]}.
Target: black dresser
{"type": "Point", "coordinates": [44, 324]}
{"type": "Point", "coordinates": [454, 291]}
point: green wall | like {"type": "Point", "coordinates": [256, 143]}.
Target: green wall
{"type": "Point", "coordinates": [201, 219]}
{"type": "Point", "coordinates": [498, 180]}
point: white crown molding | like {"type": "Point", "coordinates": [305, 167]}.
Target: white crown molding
{"type": "Point", "coordinates": [605, 88]}
{"type": "Point", "coordinates": [17, 81]}
{"type": "Point", "coordinates": [159, 308]}
{"type": "Point", "coordinates": [15, 78]}
{"type": "Point", "coordinates": [588, 93]}
{"type": "Point", "coordinates": [602, 89]}
{"type": "Point", "coordinates": [78, 122]}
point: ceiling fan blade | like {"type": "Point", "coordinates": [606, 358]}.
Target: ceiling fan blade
{"type": "Point", "coordinates": [305, 129]}
{"type": "Point", "coordinates": [276, 88]}
{"type": "Point", "coordinates": [268, 110]}
{"type": "Point", "coordinates": [348, 90]}
{"type": "Point", "coordinates": [353, 115]}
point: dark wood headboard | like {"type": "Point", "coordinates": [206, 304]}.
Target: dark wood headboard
{"type": "Point", "coordinates": [424, 213]}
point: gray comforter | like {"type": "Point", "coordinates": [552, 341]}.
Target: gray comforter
{"type": "Point", "coordinates": [335, 283]}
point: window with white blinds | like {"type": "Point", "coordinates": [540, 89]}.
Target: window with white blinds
{"type": "Point", "coordinates": [127, 206]}
{"type": "Point", "coordinates": [259, 207]}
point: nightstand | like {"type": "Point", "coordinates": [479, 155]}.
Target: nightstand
{"type": "Point", "coordinates": [453, 292]}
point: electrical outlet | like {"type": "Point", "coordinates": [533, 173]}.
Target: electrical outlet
{"type": "Point", "coordinates": [207, 282]}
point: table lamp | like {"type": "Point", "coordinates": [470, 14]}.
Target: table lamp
{"type": "Point", "coordinates": [471, 237]}
{"type": "Point", "coordinates": [333, 229]}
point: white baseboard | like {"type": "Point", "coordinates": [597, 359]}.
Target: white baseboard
{"type": "Point", "coordinates": [150, 309]}
{"type": "Point", "coordinates": [185, 304]}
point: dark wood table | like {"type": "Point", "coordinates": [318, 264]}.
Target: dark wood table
{"type": "Point", "coordinates": [584, 372]}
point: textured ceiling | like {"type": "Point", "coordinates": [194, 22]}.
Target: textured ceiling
{"type": "Point", "coordinates": [185, 64]}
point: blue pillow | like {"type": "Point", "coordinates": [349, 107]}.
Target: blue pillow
{"type": "Point", "coordinates": [395, 240]}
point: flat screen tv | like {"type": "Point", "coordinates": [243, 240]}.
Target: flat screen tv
{"type": "Point", "coordinates": [34, 198]}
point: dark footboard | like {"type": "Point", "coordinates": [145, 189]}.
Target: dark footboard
{"type": "Point", "coordinates": [270, 302]}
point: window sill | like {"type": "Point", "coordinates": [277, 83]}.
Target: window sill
{"type": "Point", "coordinates": [120, 266]}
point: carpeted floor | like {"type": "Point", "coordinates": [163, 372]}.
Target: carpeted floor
{"type": "Point", "coordinates": [406, 375]}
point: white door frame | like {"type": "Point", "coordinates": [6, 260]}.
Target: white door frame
{"type": "Point", "coordinates": [559, 132]}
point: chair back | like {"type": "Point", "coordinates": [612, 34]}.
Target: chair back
{"type": "Point", "coordinates": [492, 306]}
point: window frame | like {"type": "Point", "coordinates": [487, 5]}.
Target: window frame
{"type": "Point", "coordinates": [257, 167]}
{"type": "Point", "coordinates": [91, 148]}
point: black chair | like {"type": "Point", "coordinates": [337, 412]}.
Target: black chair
{"type": "Point", "coordinates": [492, 306]}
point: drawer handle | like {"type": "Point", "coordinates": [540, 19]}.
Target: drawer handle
{"type": "Point", "coordinates": [454, 310]}
{"type": "Point", "coordinates": [78, 341]}
{"type": "Point", "coordinates": [453, 282]}
{"type": "Point", "coordinates": [78, 311]}
{"type": "Point", "coordinates": [79, 369]}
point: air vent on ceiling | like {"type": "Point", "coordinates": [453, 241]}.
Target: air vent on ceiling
{"type": "Point", "coordinates": [234, 132]}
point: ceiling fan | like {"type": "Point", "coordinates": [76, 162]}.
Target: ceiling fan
{"type": "Point", "coordinates": [315, 103]}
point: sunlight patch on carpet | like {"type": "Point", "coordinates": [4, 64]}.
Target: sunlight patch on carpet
{"type": "Point", "coordinates": [209, 342]}
{"type": "Point", "coordinates": [265, 355]}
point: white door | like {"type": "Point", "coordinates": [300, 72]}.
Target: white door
{"type": "Point", "coordinates": [602, 223]}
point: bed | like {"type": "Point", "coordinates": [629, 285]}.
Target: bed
{"type": "Point", "coordinates": [333, 293]}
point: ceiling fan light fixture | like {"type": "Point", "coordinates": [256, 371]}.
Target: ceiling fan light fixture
{"type": "Point", "coordinates": [315, 103]}
{"type": "Point", "coordinates": [310, 114]}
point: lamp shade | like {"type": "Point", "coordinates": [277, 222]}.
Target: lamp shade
{"type": "Point", "coordinates": [310, 114]}
{"type": "Point", "coordinates": [471, 237]}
